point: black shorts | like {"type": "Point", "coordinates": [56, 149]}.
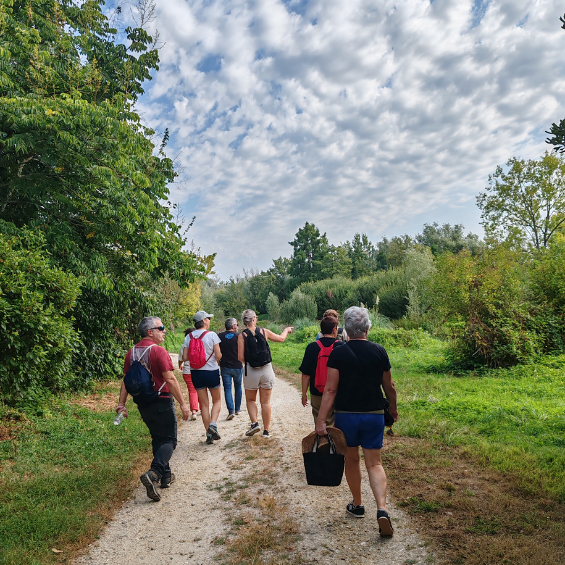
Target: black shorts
{"type": "Point", "coordinates": [205, 379]}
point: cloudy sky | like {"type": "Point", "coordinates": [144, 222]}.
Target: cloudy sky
{"type": "Point", "coordinates": [359, 116]}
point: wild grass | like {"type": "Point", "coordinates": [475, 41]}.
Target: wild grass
{"type": "Point", "coordinates": [64, 469]}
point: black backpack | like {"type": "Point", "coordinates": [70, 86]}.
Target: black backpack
{"type": "Point", "coordinates": [257, 351]}
{"type": "Point", "coordinates": [138, 379]}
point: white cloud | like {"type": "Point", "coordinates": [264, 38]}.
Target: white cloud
{"type": "Point", "coordinates": [354, 115]}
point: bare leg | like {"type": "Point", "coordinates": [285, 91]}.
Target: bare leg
{"type": "Point", "coordinates": [250, 399]}
{"type": "Point", "coordinates": [265, 399]}
{"type": "Point", "coordinates": [204, 407]}
{"type": "Point", "coordinates": [377, 476]}
{"type": "Point", "coordinates": [216, 403]}
{"type": "Point", "coordinates": [353, 474]}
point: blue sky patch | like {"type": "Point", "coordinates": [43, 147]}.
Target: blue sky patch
{"type": "Point", "coordinates": [210, 64]}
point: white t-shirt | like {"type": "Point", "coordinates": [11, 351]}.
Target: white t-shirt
{"type": "Point", "coordinates": [209, 340]}
{"type": "Point", "coordinates": [185, 364]}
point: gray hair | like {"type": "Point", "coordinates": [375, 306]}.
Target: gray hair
{"type": "Point", "coordinates": [247, 317]}
{"type": "Point", "coordinates": [147, 324]}
{"type": "Point", "coordinates": [356, 321]}
{"type": "Point", "coordinates": [230, 323]}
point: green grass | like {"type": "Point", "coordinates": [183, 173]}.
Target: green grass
{"type": "Point", "coordinates": [512, 419]}
{"type": "Point", "coordinates": [61, 469]}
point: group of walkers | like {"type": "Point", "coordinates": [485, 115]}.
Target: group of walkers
{"type": "Point", "coordinates": [344, 372]}
{"type": "Point", "coordinates": [228, 355]}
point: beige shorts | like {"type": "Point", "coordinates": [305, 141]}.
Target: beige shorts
{"type": "Point", "coordinates": [260, 377]}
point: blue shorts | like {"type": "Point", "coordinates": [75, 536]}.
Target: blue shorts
{"type": "Point", "coordinates": [205, 379]}
{"type": "Point", "coordinates": [361, 429]}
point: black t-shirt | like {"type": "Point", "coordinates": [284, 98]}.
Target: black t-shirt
{"type": "Point", "coordinates": [228, 347]}
{"type": "Point", "coordinates": [361, 365]}
{"type": "Point", "coordinates": [310, 361]}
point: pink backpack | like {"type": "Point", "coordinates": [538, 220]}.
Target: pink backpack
{"type": "Point", "coordinates": [196, 352]}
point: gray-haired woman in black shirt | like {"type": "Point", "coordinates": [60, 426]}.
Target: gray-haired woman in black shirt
{"type": "Point", "coordinates": [356, 372]}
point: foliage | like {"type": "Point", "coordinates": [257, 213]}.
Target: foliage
{"type": "Point", "coordinates": [444, 238]}
{"type": "Point", "coordinates": [233, 297]}
{"type": "Point", "coordinates": [77, 165]}
{"type": "Point", "coordinates": [419, 268]}
{"type": "Point", "coordinates": [310, 255]}
{"type": "Point", "coordinates": [273, 307]}
{"type": "Point", "coordinates": [299, 305]}
{"type": "Point", "coordinates": [525, 205]}
{"type": "Point", "coordinates": [362, 254]}
{"type": "Point", "coordinates": [39, 340]}
{"type": "Point", "coordinates": [481, 301]}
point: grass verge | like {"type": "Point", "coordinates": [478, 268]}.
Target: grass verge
{"type": "Point", "coordinates": [64, 469]}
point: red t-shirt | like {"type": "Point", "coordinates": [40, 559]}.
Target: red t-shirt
{"type": "Point", "coordinates": [160, 362]}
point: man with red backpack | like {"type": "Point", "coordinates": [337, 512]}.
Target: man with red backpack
{"type": "Point", "coordinates": [314, 366]}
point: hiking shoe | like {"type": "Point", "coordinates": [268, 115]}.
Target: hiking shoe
{"type": "Point", "coordinates": [253, 429]}
{"type": "Point", "coordinates": [231, 416]}
{"type": "Point", "coordinates": [167, 482]}
{"type": "Point", "coordinates": [237, 412]}
{"type": "Point", "coordinates": [193, 416]}
{"type": "Point", "coordinates": [266, 433]}
{"type": "Point", "coordinates": [149, 481]}
{"type": "Point", "coordinates": [385, 525]}
{"type": "Point", "coordinates": [209, 439]}
{"type": "Point", "coordinates": [357, 511]}
{"type": "Point", "coordinates": [213, 431]}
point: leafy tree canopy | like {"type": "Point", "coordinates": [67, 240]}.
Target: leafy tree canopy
{"type": "Point", "coordinates": [310, 254]}
{"type": "Point", "coordinates": [525, 204]}
{"type": "Point", "coordinates": [77, 165]}
{"type": "Point", "coordinates": [448, 238]}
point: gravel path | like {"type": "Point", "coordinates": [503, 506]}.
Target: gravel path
{"type": "Point", "coordinates": [191, 514]}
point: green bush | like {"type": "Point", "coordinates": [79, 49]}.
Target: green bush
{"type": "Point", "coordinates": [300, 305]}
{"type": "Point", "coordinates": [483, 306]}
{"type": "Point", "coordinates": [38, 339]}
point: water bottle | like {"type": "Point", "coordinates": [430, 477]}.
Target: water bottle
{"type": "Point", "coordinates": [118, 419]}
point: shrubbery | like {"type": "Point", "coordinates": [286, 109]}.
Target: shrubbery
{"type": "Point", "coordinates": [483, 306]}
{"type": "Point", "coordinates": [299, 305]}
{"type": "Point", "coordinates": [35, 298]}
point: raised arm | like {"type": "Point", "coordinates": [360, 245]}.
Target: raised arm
{"type": "Point", "coordinates": [278, 338]}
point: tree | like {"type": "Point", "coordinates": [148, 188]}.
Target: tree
{"type": "Point", "coordinates": [362, 254]}
{"type": "Point", "coordinates": [77, 165]}
{"type": "Point", "coordinates": [391, 253]}
{"type": "Point", "coordinates": [447, 238]}
{"type": "Point", "coordinates": [525, 205]}
{"type": "Point", "coordinates": [310, 255]}
{"type": "Point", "coordinates": [558, 131]}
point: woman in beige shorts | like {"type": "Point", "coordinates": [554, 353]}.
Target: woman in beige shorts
{"type": "Point", "coordinates": [260, 379]}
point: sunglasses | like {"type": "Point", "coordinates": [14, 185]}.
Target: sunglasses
{"type": "Point", "coordinates": [160, 328]}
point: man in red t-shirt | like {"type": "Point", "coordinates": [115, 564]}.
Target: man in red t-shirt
{"type": "Point", "coordinates": [159, 416]}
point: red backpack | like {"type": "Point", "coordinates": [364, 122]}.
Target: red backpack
{"type": "Point", "coordinates": [196, 351]}
{"type": "Point", "coordinates": [322, 366]}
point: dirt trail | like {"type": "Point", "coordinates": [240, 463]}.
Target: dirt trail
{"type": "Point", "coordinates": [182, 527]}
